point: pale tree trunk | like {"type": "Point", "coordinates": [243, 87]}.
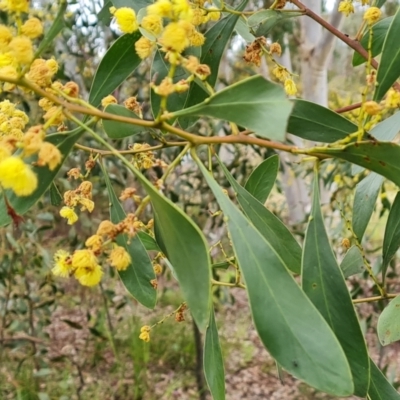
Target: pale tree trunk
{"type": "Point", "coordinates": [315, 51]}
{"type": "Point", "coordinates": [295, 189]}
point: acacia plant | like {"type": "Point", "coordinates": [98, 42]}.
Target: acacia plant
{"type": "Point", "coordinates": [300, 303]}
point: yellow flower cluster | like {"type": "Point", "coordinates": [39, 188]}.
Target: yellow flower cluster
{"type": "Point", "coordinates": [145, 333]}
{"type": "Point", "coordinates": [284, 76]}
{"type": "Point", "coordinates": [16, 6]}
{"type": "Point", "coordinates": [145, 159]}
{"type": "Point", "coordinates": [346, 7]}
{"type": "Point", "coordinates": [181, 19]}
{"type": "Point", "coordinates": [16, 44]}
{"type": "Point", "coordinates": [72, 198]}
{"type": "Point", "coordinates": [12, 120]}
{"type": "Point", "coordinates": [125, 18]}
{"type": "Point", "coordinates": [84, 265]}
{"type": "Point", "coordinates": [15, 174]}
{"type": "Point", "coordinates": [372, 15]}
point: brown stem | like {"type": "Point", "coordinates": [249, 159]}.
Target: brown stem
{"type": "Point", "coordinates": [354, 44]}
{"type": "Point", "coordinates": [348, 108]}
{"type": "Point", "coordinates": [109, 153]}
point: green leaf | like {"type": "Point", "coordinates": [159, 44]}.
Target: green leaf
{"type": "Point", "coordinates": [56, 27]}
{"type": "Point", "coordinates": [242, 29]}
{"type": "Point", "coordinates": [148, 242]}
{"type": "Point", "coordinates": [324, 284]}
{"type": "Point", "coordinates": [288, 324]}
{"type": "Point", "coordinates": [254, 103]}
{"type": "Point", "coordinates": [389, 323]}
{"type": "Point", "coordinates": [367, 192]}
{"type": "Point", "coordinates": [104, 16]}
{"type": "Point", "coordinates": [120, 130]}
{"type": "Point", "coordinates": [379, 31]}
{"type": "Point", "coordinates": [213, 361]}
{"type": "Point", "coordinates": [389, 65]}
{"type": "Point", "coordinates": [55, 195]}
{"type": "Point", "coordinates": [135, 4]}
{"type": "Point", "coordinates": [64, 142]}
{"type": "Point", "coordinates": [385, 131]}
{"type": "Point", "coordinates": [216, 39]}
{"type": "Point", "coordinates": [391, 239]}
{"type": "Point", "coordinates": [262, 179]}
{"type": "Point", "coordinates": [313, 122]}
{"type": "Point", "coordinates": [159, 70]}
{"type": "Point", "coordinates": [116, 65]}
{"type": "Point", "coordinates": [136, 278]}
{"type": "Point", "coordinates": [268, 19]}
{"type": "Point", "coordinates": [270, 227]}
{"type": "Point", "coordinates": [186, 248]}
{"type": "Point", "coordinates": [353, 262]}
{"type": "Point", "coordinates": [380, 388]}
{"type": "Point", "coordinates": [381, 157]}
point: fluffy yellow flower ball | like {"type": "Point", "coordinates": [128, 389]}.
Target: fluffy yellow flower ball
{"type": "Point", "coordinates": [69, 214]}
{"type": "Point", "coordinates": [174, 38]}
{"type": "Point", "coordinates": [290, 87]}
{"type": "Point", "coordinates": [144, 47]}
{"type": "Point", "coordinates": [15, 5]}
{"type": "Point", "coordinates": [21, 48]}
{"type": "Point", "coordinates": [152, 24]}
{"type": "Point", "coordinates": [32, 28]}
{"type": "Point", "coordinates": [62, 264]}
{"type": "Point", "coordinates": [372, 15]}
{"type": "Point", "coordinates": [18, 176]}
{"type": "Point", "coordinates": [126, 19]}
{"type": "Point", "coordinates": [346, 7]}
{"type": "Point", "coordinates": [119, 258]}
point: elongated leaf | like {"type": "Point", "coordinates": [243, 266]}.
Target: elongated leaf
{"type": "Point", "coordinates": [117, 64]}
{"type": "Point", "coordinates": [136, 278]}
{"type": "Point", "coordinates": [186, 248]}
{"type": "Point", "coordinates": [254, 103]}
{"type": "Point", "coordinates": [216, 39]}
{"type": "Point", "coordinates": [379, 31]}
{"type": "Point", "coordinates": [385, 131]}
{"type": "Point", "coordinates": [159, 70]}
{"type": "Point", "coordinates": [120, 130]}
{"type": "Point", "coordinates": [55, 195]}
{"type": "Point", "coordinates": [213, 361]}
{"type": "Point", "coordinates": [64, 142]}
{"type": "Point", "coordinates": [380, 388]}
{"type": "Point", "coordinates": [367, 192]}
{"type": "Point", "coordinates": [391, 239]}
{"type": "Point", "coordinates": [242, 29]}
{"type": "Point", "coordinates": [380, 157]}
{"type": "Point", "coordinates": [267, 19]}
{"type": "Point", "coordinates": [148, 242]}
{"type": "Point", "coordinates": [262, 179]}
{"type": "Point", "coordinates": [104, 16]}
{"type": "Point", "coordinates": [56, 27]}
{"type": "Point", "coordinates": [389, 66]}
{"type": "Point", "coordinates": [313, 122]}
{"type": "Point", "coordinates": [270, 227]}
{"type": "Point", "coordinates": [389, 323]}
{"type": "Point", "coordinates": [352, 262]}
{"type": "Point", "coordinates": [288, 324]}
{"type": "Point", "coordinates": [324, 284]}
